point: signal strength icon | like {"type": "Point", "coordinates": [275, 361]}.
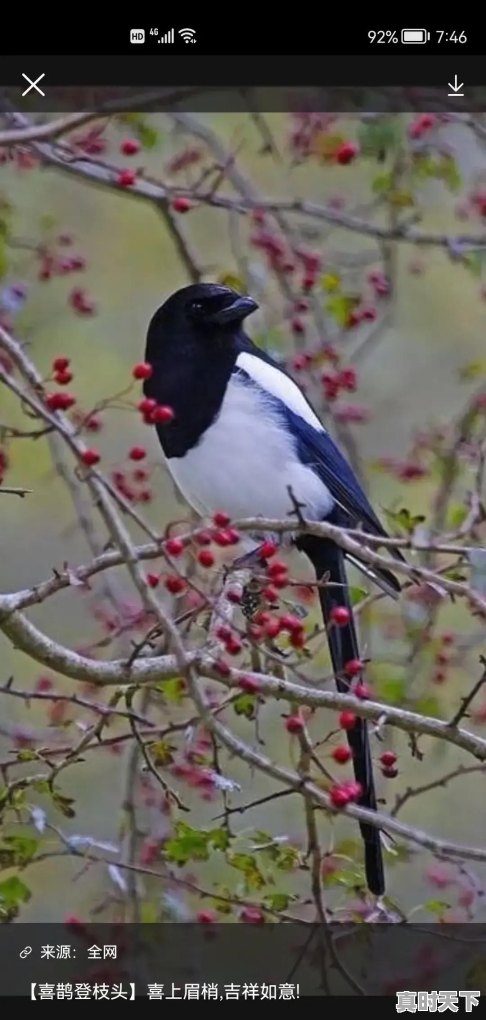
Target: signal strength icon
{"type": "Point", "coordinates": [187, 34]}
{"type": "Point", "coordinates": [169, 37]}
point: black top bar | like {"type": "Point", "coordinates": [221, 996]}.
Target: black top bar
{"type": "Point", "coordinates": [236, 34]}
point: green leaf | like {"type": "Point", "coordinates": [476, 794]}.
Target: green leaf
{"type": "Point", "coordinates": [392, 689]}
{"type": "Point", "coordinates": [173, 690]}
{"type": "Point", "coordinates": [162, 753]}
{"type": "Point", "coordinates": [63, 804]}
{"type": "Point", "coordinates": [448, 171]}
{"type": "Point", "coordinates": [456, 514]}
{"type": "Point", "coordinates": [382, 183]}
{"type": "Point", "coordinates": [189, 844]}
{"type": "Point", "coordinates": [436, 907]}
{"type": "Point", "coordinates": [472, 370]}
{"type": "Point", "coordinates": [277, 901]}
{"type": "Point", "coordinates": [341, 306]}
{"type": "Point", "coordinates": [17, 850]}
{"type": "Point", "coordinates": [27, 755]}
{"type": "Point", "coordinates": [245, 704]}
{"type": "Point", "coordinates": [247, 864]}
{"type": "Point", "coordinates": [403, 520]}
{"type": "Point", "coordinates": [379, 136]}
{"type": "Point", "coordinates": [428, 705]}
{"type": "Point", "coordinates": [13, 892]}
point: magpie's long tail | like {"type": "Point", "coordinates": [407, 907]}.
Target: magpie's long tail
{"type": "Point", "coordinates": [327, 558]}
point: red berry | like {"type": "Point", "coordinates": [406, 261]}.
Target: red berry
{"type": "Point", "coordinates": [63, 378]}
{"type": "Point", "coordinates": [137, 453]}
{"type": "Point", "coordinates": [233, 596]}
{"type": "Point", "coordinates": [340, 615]}
{"type": "Point", "coordinates": [346, 152]}
{"type": "Point", "coordinates": [355, 790]}
{"type": "Point", "coordinates": [162, 415]}
{"type": "Point", "coordinates": [206, 916]}
{"type": "Point", "coordinates": [60, 364]}
{"type": "Point", "coordinates": [294, 724]}
{"type": "Point", "coordinates": [90, 457]}
{"type": "Point", "coordinates": [205, 558]}
{"type": "Point", "coordinates": [223, 632]}
{"type": "Point", "coordinates": [267, 550]}
{"type": "Point", "coordinates": [362, 691]}
{"type": "Point", "coordinates": [203, 538]}
{"type": "Point", "coordinates": [146, 405]}
{"type": "Point", "coordinates": [181, 204]}
{"type": "Point", "coordinates": [339, 796]}
{"type": "Point", "coordinates": [222, 667]}
{"type": "Point", "coordinates": [281, 580]}
{"type": "Point", "coordinates": [174, 584]}
{"type": "Point", "coordinates": [270, 594]}
{"type": "Point", "coordinates": [448, 638]}
{"type": "Point", "coordinates": [348, 379]}
{"type": "Point", "coordinates": [276, 568]}
{"type": "Point", "coordinates": [439, 676]}
{"type": "Point", "coordinates": [44, 683]}
{"type": "Point", "coordinates": [354, 667]}
{"type": "Point", "coordinates": [297, 639]}
{"type": "Point", "coordinates": [290, 623]}
{"type": "Point", "coordinates": [298, 326]}
{"type": "Point", "coordinates": [390, 773]}
{"type": "Point", "coordinates": [233, 536]}
{"type": "Point", "coordinates": [60, 401]}
{"type": "Point", "coordinates": [249, 685]}
{"type": "Point", "coordinates": [272, 628]}
{"type": "Point", "coordinates": [341, 754]}
{"type": "Point", "coordinates": [388, 758]}
{"type": "Point", "coordinates": [130, 147]}
{"type": "Point", "coordinates": [252, 915]}
{"type": "Point", "coordinates": [174, 546]}
{"type": "Point", "coordinates": [126, 178]}
{"type": "Point", "coordinates": [152, 580]}
{"type": "Point", "coordinates": [347, 720]}
{"type": "Point", "coordinates": [221, 519]}
{"type": "Point", "coordinates": [142, 370]}
{"type": "Point", "coordinates": [233, 645]}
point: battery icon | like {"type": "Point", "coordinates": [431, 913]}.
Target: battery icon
{"type": "Point", "coordinates": [415, 35]}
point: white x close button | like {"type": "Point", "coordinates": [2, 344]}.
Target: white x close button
{"type": "Point", "coordinates": [33, 84]}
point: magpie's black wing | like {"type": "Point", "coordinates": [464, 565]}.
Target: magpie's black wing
{"type": "Point", "coordinates": [317, 449]}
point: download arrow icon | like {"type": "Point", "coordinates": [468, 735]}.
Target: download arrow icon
{"type": "Point", "coordinates": [456, 87]}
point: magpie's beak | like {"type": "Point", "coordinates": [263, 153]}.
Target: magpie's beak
{"type": "Point", "coordinates": [235, 312]}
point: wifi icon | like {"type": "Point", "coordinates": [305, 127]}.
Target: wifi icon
{"type": "Point", "coordinates": [187, 34]}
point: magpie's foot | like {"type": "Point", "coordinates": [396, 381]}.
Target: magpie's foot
{"type": "Point", "coordinates": [251, 599]}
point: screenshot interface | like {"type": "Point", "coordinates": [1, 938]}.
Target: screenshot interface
{"type": "Point", "coordinates": [243, 512]}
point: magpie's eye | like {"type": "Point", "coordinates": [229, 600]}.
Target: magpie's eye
{"type": "Point", "coordinates": [196, 306]}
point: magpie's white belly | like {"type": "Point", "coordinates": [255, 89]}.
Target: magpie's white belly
{"type": "Point", "coordinates": [245, 462]}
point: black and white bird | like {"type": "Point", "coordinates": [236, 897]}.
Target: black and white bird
{"type": "Point", "coordinates": [242, 435]}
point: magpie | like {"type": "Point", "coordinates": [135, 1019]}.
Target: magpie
{"type": "Point", "coordinates": [245, 439]}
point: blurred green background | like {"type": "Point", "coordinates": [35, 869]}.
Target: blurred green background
{"type": "Point", "coordinates": [409, 377]}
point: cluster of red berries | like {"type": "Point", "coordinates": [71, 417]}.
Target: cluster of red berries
{"type": "Point", "coordinates": [345, 793]}
{"type": "Point", "coordinates": [334, 382]}
{"type": "Point", "coordinates": [51, 265]}
{"type": "Point", "coordinates": [442, 658]}
{"type": "Point", "coordinates": [152, 412]}
{"type": "Point", "coordinates": [421, 125]}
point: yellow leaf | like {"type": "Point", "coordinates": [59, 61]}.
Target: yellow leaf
{"type": "Point", "coordinates": [231, 280]}
{"type": "Point", "coordinates": [331, 282]}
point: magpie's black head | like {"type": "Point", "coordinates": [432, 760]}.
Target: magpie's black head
{"type": "Point", "coordinates": [202, 312]}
